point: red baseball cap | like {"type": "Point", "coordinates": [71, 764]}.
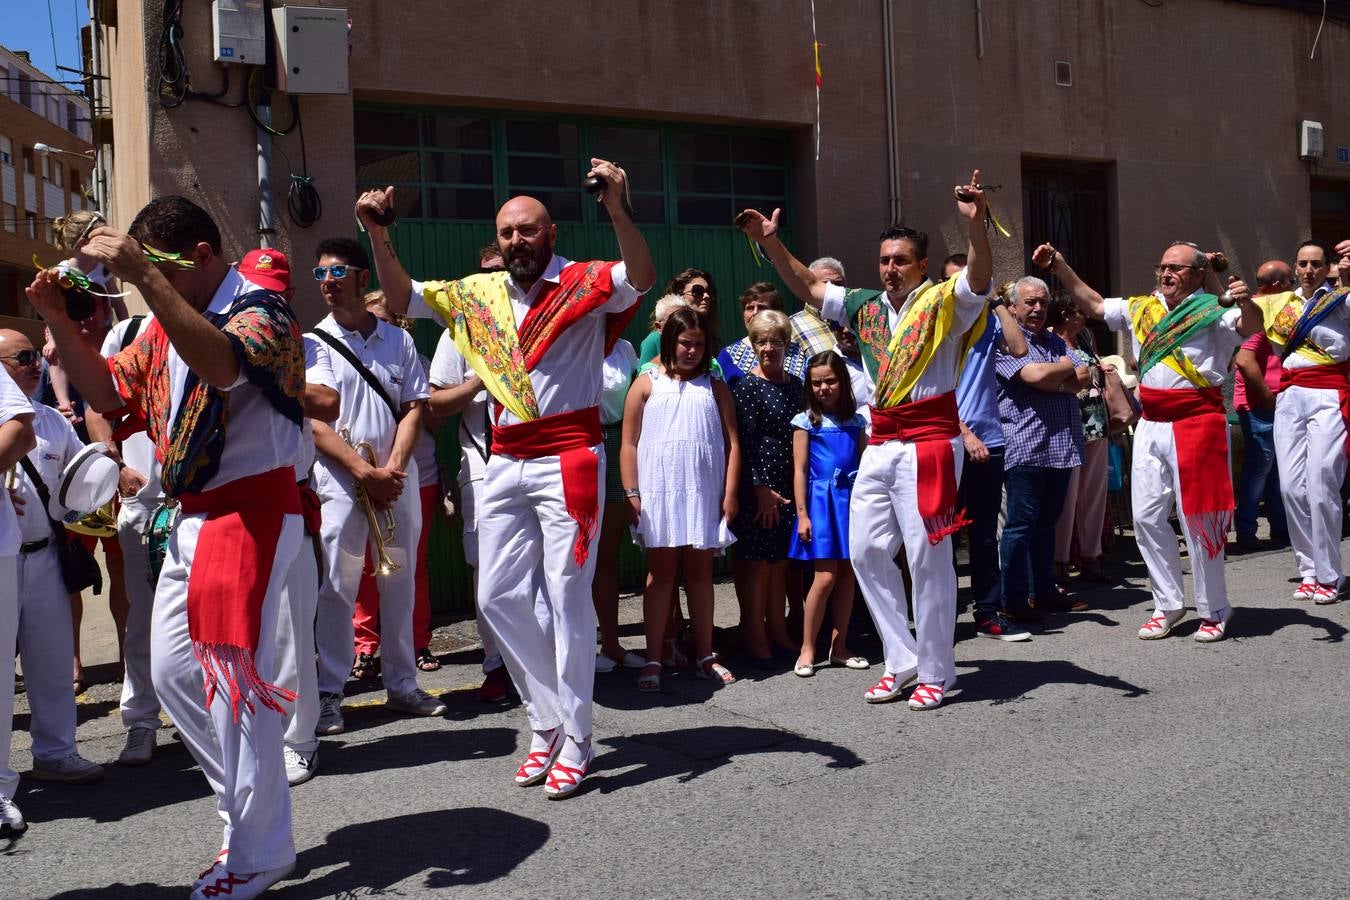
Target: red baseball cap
{"type": "Point", "coordinates": [267, 269]}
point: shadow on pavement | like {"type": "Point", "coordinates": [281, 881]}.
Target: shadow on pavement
{"type": "Point", "coordinates": [1262, 622]}
{"type": "Point", "coordinates": [420, 748]}
{"type": "Point", "coordinates": [121, 891]}
{"type": "Point", "coordinates": [691, 752]}
{"type": "Point", "coordinates": [454, 847]}
{"type": "Point", "coordinates": [1002, 680]}
{"type": "Point", "coordinates": [172, 777]}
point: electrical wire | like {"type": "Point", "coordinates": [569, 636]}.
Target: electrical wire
{"type": "Point", "coordinates": [302, 201]}
{"type": "Point", "coordinates": [1313, 51]}
{"type": "Point", "coordinates": [51, 28]}
{"type": "Point", "coordinates": [251, 103]}
{"type": "Point", "coordinates": [175, 84]}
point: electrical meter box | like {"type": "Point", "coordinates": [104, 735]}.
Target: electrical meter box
{"type": "Point", "coordinates": [311, 49]}
{"type": "Point", "coordinates": [238, 31]}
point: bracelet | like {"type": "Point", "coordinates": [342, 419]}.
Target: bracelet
{"type": "Point", "coordinates": [631, 493]}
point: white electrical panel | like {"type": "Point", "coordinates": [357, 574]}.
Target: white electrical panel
{"type": "Point", "coordinates": [1309, 140]}
{"type": "Point", "coordinates": [311, 49]}
{"type": "Point", "coordinates": [239, 31]}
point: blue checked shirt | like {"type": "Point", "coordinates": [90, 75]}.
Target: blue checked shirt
{"type": "Point", "coordinates": [1039, 428]}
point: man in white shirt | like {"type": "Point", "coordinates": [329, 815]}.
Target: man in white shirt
{"type": "Point", "coordinates": [542, 329]}
{"type": "Point", "coordinates": [17, 438]}
{"type": "Point", "coordinates": [217, 380]}
{"type": "Point", "coordinates": [44, 617]}
{"type": "Point", "coordinates": [1180, 454]}
{"type": "Point", "coordinates": [357, 346]}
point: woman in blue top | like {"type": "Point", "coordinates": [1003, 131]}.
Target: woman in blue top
{"type": "Point", "coordinates": [827, 443]}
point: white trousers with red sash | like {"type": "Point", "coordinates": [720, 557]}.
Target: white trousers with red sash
{"type": "Point", "coordinates": [525, 546]}
{"type": "Point", "coordinates": [242, 760]}
{"type": "Point", "coordinates": [1310, 450]}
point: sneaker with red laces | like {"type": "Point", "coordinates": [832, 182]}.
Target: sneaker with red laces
{"type": "Point", "coordinates": [1160, 625]}
{"type": "Point", "coordinates": [890, 686]}
{"type": "Point", "coordinates": [220, 884]}
{"type": "Point", "coordinates": [1307, 590]}
{"type": "Point", "coordinates": [1212, 630]}
{"type": "Point", "coordinates": [1324, 594]}
{"type": "Point", "coordinates": [535, 767]}
{"type": "Point", "coordinates": [564, 780]}
{"type": "Point", "coordinates": [929, 696]}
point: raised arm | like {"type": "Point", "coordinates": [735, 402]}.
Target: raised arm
{"type": "Point", "coordinates": [637, 257]}
{"type": "Point", "coordinates": [1013, 339]}
{"type": "Point", "coordinates": [1052, 261]}
{"type": "Point", "coordinates": [800, 280]}
{"type": "Point", "coordinates": [394, 280]}
{"type": "Point", "coordinates": [979, 259]}
{"type": "Point", "coordinates": [83, 364]}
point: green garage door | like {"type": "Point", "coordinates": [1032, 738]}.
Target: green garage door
{"type": "Point", "coordinates": [452, 169]}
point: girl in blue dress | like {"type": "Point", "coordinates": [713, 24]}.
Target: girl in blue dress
{"type": "Point", "coordinates": [827, 442]}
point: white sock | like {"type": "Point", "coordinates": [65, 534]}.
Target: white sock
{"type": "Point", "coordinates": [542, 740]}
{"type": "Point", "coordinates": [574, 752]}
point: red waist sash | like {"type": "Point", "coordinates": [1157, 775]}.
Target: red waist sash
{"type": "Point", "coordinates": [1333, 378]}
{"type": "Point", "coordinates": [228, 577]}
{"type": "Point", "coordinates": [570, 437]}
{"type": "Point", "coordinates": [1200, 440]}
{"type": "Point", "coordinates": [930, 425]}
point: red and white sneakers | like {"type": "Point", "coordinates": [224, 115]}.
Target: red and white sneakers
{"type": "Point", "coordinates": [1307, 590]}
{"type": "Point", "coordinates": [564, 780]}
{"type": "Point", "coordinates": [1160, 625]}
{"type": "Point", "coordinates": [890, 686]}
{"type": "Point", "coordinates": [535, 767]}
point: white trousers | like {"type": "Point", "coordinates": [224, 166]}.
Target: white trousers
{"type": "Point", "coordinates": [9, 629]}
{"type": "Point", "coordinates": [1310, 451]}
{"type": "Point", "coordinates": [345, 534]}
{"type": "Point", "coordinates": [525, 543]}
{"type": "Point", "coordinates": [241, 760]}
{"type": "Point", "coordinates": [140, 706]}
{"type": "Point", "coordinates": [1155, 490]}
{"type": "Point", "coordinates": [45, 643]}
{"type": "Point", "coordinates": [884, 512]}
{"type": "Point", "coordinates": [296, 667]}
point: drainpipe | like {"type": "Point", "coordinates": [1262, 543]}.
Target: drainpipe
{"type": "Point", "coordinates": [892, 140]}
{"type": "Point", "coordinates": [266, 219]}
{"type": "Point", "coordinates": [98, 103]}
{"type": "Point", "coordinates": [979, 30]}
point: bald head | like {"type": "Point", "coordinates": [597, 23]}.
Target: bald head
{"type": "Point", "coordinates": [1274, 276]}
{"type": "Point", "coordinates": [13, 343]}
{"type": "Point", "coordinates": [525, 236]}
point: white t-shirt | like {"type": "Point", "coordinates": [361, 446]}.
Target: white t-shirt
{"type": "Point", "coordinates": [57, 443]}
{"type": "Point", "coordinates": [940, 375]}
{"type": "Point", "coordinates": [424, 451]}
{"type": "Point", "coordinates": [449, 368]}
{"type": "Point", "coordinates": [1209, 351]}
{"type": "Point", "coordinates": [317, 371]}
{"type": "Point", "coordinates": [568, 377]}
{"type": "Point", "coordinates": [390, 356]}
{"type": "Point", "coordinates": [138, 452]}
{"type": "Point", "coordinates": [615, 378]}
{"type": "Point", "coordinates": [12, 403]}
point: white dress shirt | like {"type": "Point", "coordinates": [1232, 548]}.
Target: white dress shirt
{"type": "Point", "coordinates": [1209, 351]}
{"type": "Point", "coordinates": [57, 444]}
{"type": "Point", "coordinates": [12, 403]}
{"type": "Point", "coordinates": [449, 368]}
{"type": "Point", "coordinates": [138, 451]}
{"type": "Point", "coordinates": [568, 377]}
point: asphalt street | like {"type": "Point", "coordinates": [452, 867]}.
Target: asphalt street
{"type": "Point", "coordinates": [1084, 763]}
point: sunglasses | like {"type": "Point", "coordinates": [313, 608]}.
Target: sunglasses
{"type": "Point", "coordinates": [698, 292]}
{"type": "Point", "coordinates": [24, 357]}
{"type": "Point", "coordinates": [96, 221]}
{"type": "Point", "coordinates": [339, 271]}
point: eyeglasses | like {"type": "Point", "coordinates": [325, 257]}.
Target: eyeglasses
{"type": "Point", "coordinates": [769, 345]}
{"type": "Point", "coordinates": [837, 282]}
{"type": "Point", "coordinates": [1172, 268]}
{"type": "Point", "coordinates": [93, 223]}
{"type": "Point", "coordinates": [339, 272]}
{"type": "Point", "coordinates": [24, 357]}
{"type": "Point", "coordinates": [698, 292]}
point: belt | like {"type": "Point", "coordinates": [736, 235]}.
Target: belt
{"type": "Point", "coordinates": [34, 546]}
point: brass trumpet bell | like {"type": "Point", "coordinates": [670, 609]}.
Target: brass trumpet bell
{"type": "Point", "coordinates": [100, 523]}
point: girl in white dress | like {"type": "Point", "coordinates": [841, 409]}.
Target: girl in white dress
{"type": "Point", "coordinates": [680, 464]}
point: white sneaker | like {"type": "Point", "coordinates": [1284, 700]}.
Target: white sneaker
{"type": "Point", "coordinates": [330, 715]}
{"type": "Point", "coordinates": [222, 884]}
{"type": "Point", "coordinates": [11, 820]}
{"type": "Point", "coordinates": [139, 748]}
{"type": "Point", "coordinates": [416, 702]}
{"type": "Point", "coordinates": [72, 769]}
{"type": "Point", "coordinates": [300, 767]}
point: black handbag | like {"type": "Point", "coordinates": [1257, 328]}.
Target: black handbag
{"type": "Point", "coordinates": [79, 569]}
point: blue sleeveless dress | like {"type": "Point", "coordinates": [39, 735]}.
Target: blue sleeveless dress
{"type": "Point", "coordinates": [834, 454]}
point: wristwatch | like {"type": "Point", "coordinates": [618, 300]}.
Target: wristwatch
{"type": "Point", "coordinates": [631, 492]}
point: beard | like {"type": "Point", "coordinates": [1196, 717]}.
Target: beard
{"type": "Point", "coordinates": [529, 268]}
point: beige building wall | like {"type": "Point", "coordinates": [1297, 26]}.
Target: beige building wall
{"type": "Point", "coordinates": [1195, 104]}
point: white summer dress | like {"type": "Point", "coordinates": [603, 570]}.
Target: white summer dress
{"type": "Point", "coordinates": [681, 466]}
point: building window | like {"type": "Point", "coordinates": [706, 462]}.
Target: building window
{"type": "Point", "coordinates": [10, 216]}
{"type": "Point", "coordinates": [58, 174]}
{"type": "Point", "coordinates": [72, 117]}
{"type": "Point", "coordinates": [28, 160]}
{"type": "Point", "coordinates": [30, 222]}
{"type": "Point", "coordinates": [6, 151]}
{"type": "Point", "coordinates": [462, 165]}
{"type": "Point", "coordinates": [25, 90]}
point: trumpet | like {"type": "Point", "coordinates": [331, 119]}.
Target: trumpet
{"type": "Point", "coordinates": [102, 522]}
{"type": "Point", "coordinates": [383, 564]}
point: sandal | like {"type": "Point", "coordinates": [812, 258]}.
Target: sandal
{"type": "Point", "coordinates": [426, 662]}
{"type": "Point", "coordinates": [650, 681]}
{"type": "Point", "coordinates": [675, 657]}
{"type": "Point", "coordinates": [708, 667]}
{"type": "Point", "coordinates": [364, 666]}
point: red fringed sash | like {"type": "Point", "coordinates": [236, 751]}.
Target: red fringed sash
{"type": "Point", "coordinates": [1200, 437]}
{"type": "Point", "coordinates": [227, 581]}
{"type": "Point", "coordinates": [930, 425]}
{"type": "Point", "coordinates": [1332, 378]}
{"type": "Point", "coordinates": [570, 437]}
